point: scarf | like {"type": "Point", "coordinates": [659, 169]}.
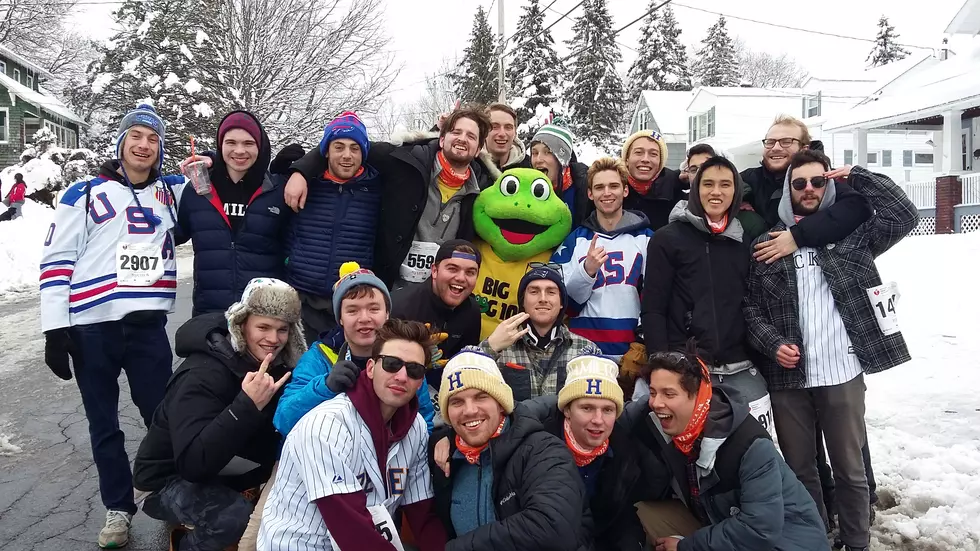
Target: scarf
{"type": "Point", "coordinates": [717, 227]}
{"type": "Point", "coordinates": [641, 187]}
{"type": "Point", "coordinates": [331, 178]}
{"type": "Point", "coordinates": [582, 456]}
{"type": "Point", "coordinates": [448, 175]}
{"type": "Point", "coordinates": [471, 453]}
{"type": "Point", "coordinates": [702, 404]}
{"type": "Point", "coordinates": [566, 180]}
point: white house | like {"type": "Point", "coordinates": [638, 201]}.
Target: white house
{"type": "Point", "coordinates": [665, 112]}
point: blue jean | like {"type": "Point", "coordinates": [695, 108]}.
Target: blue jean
{"type": "Point", "coordinates": [218, 514]}
{"type": "Point", "coordinates": [139, 345]}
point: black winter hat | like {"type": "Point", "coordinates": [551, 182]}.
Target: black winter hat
{"type": "Point", "coordinates": [542, 272]}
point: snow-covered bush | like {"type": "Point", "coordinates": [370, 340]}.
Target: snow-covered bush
{"type": "Point", "coordinates": [47, 168]}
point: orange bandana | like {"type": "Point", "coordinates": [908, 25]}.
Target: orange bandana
{"type": "Point", "coordinates": [566, 180]}
{"type": "Point", "coordinates": [641, 187]}
{"type": "Point", "coordinates": [702, 404]}
{"type": "Point", "coordinates": [448, 175]}
{"type": "Point", "coordinates": [472, 454]}
{"type": "Point", "coordinates": [330, 177]}
{"type": "Point", "coordinates": [582, 456]}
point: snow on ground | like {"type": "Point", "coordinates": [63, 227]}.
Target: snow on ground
{"type": "Point", "coordinates": [924, 417]}
{"type": "Point", "coordinates": [21, 241]}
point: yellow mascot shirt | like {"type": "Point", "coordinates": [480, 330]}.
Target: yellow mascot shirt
{"type": "Point", "coordinates": [497, 284]}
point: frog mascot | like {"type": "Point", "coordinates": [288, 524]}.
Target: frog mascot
{"type": "Point", "coordinates": [520, 220]}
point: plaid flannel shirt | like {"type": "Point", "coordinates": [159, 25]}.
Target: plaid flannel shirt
{"type": "Point", "coordinates": [771, 304]}
{"type": "Point", "coordinates": [531, 371]}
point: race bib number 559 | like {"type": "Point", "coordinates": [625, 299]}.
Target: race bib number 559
{"type": "Point", "coordinates": [884, 299]}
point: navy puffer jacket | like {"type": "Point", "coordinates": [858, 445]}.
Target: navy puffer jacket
{"type": "Point", "coordinates": [338, 225]}
{"type": "Point", "coordinates": [224, 262]}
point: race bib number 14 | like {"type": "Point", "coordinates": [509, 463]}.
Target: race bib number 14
{"type": "Point", "coordinates": [884, 299]}
{"type": "Point", "coordinates": [138, 264]}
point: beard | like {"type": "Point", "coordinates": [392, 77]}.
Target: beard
{"type": "Point", "coordinates": [800, 209]}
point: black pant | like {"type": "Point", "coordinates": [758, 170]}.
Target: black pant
{"type": "Point", "coordinates": [218, 514]}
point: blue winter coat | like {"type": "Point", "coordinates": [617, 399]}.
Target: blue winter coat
{"type": "Point", "coordinates": [338, 225]}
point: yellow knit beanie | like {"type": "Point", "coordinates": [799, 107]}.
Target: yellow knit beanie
{"type": "Point", "coordinates": [591, 377]}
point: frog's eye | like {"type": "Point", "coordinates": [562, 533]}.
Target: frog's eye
{"type": "Point", "coordinates": [541, 189]}
{"type": "Point", "coordinates": [509, 185]}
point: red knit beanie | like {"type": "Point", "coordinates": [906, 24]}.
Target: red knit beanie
{"type": "Point", "coordinates": [240, 119]}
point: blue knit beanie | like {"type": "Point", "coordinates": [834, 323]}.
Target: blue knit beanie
{"type": "Point", "coordinates": [347, 125]}
{"type": "Point", "coordinates": [351, 275]}
{"type": "Point", "coordinates": [143, 115]}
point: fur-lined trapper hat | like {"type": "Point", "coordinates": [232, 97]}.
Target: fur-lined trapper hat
{"type": "Point", "coordinates": [266, 296]}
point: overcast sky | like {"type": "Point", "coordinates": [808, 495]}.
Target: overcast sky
{"type": "Point", "coordinates": [423, 32]}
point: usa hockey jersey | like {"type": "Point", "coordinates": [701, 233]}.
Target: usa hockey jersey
{"type": "Point", "coordinates": [606, 308]}
{"type": "Point", "coordinates": [110, 260]}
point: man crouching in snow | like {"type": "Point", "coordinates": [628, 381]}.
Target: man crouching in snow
{"type": "Point", "coordinates": [212, 436]}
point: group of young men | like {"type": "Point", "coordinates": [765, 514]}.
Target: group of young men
{"type": "Point", "coordinates": [755, 296]}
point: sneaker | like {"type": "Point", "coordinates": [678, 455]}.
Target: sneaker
{"type": "Point", "coordinates": [115, 533]}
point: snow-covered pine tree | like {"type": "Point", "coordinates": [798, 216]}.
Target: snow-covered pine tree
{"type": "Point", "coordinates": [662, 61]}
{"type": "Point", "coordinates": [478, 81]}
{"type": "Point", "coordinates": [715, 64]}
{"type": "Point", "coordinates": [596, 95]}
{"type": "Point", "coordinates": [163, 55]}
{"type": "Point", "coordinates": [886, 48]}
{"type": "Point", "coordinates": [534, 71]}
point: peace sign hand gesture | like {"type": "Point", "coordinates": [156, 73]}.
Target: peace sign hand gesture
{"type": "Point", "coordinates": [596, 258]}
{"type": "Point", "coordinates": [260, 386]}
{"type": "Point", "coordinates": [507, 333]}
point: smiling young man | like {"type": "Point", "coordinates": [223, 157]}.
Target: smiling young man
{"type": "Point", "coordinates": [603, 262]}
{"type": "Point", "coordinates": [353, 461]}
{"type": "Point", "coordinates": [511, 485]}
{"type": "Point", "coordinates": [553, 154]}
{"type": "Point", "coordinates": [732, 489]}
{"type": "Point", "coordinates": [503, 146]}
{"type": "Point", "coordinates": [655, 188]}
{"type": "Point", "coordinates": [108, 279]}
{"type": "Point", "coordinates": [238, 229]}
{"type": "Point", "coordinates": [212, 436]}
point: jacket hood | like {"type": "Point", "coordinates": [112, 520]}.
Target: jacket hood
{"type": "Point", "coordinates": [694, 197]}
{"type": "Point", "coordinates": [632, 220]}
{"type": "Point", "coordinates": [523, 422]}
{"type": "Point", "coordinates": [724, 416]}
{"type": "Point", "coordinates": [261, 167]}
{"type": "Point", "coordinates": [515, 158]}
{"type": "Point", "coordinates": [785, 208]}
{"type": "Point", "coordinates": [682, 212]}
{"type": "Point", "coordinates": [205, 334]}
{"type": "Point", "coordinates": [110, 171]}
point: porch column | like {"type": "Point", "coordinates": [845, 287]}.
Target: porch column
{"type": "Point", "coordinates": [949, 193]}
{"type": "Point", "coordinates": [937, 151]}
{"type": "Point", "coordinates": [952, 156]}
{"type": "Point", "coordinates": [860, 139]}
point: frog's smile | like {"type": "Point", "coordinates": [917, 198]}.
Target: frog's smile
{"type": "Point", "coordinates": [518, 232]}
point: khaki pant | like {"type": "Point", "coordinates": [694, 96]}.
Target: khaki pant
{"type": "Point", "coordinates": [662, 519]}
{"type": "Point", "coordinates": [250, 537]}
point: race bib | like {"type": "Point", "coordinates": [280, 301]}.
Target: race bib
{"type": "Point", "coordinates": [883, 299]}
{"type": "Point", "coordinates": [138, 264]}
{"type": "Point", "coordinates": [385, 526]}
{"type": "Point", "coordinates": [417, 265]}
{"type": "Point", "coordinates": [761, 409]}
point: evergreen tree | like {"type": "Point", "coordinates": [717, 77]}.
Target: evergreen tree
{"type": "Point", "coordinates": [716, 64]}
{"type": "Point", "coordinates": [596, 95]}
{"type": "Point", "coordinates": [886, 48]}
{"type": "Point", "coordinates": [162, 55]}
{"type": "Point", "coordinates": [534, 73]}
{"type": "Point", "coordinates": [478, 82]}
{"type": "Point", "coordinates": [662, 62]}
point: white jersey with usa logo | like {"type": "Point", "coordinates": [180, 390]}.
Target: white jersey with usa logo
{"type": "Point", "coordinates": [101, 264]}
{"type": "Point", "coordinates": [331, 452]}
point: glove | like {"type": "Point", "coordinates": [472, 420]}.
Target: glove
{"type": "Point", "coordinates": [342, 376]}
{"type": "Point", "coordinates": [58, 347]}
{"type": "Point", "coordinates": [437, 338]}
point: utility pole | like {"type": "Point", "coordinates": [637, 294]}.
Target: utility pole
{"type": "Point", "coordinates": [501, 87]}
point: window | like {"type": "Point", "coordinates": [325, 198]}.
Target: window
{"type": "Point", "coordinates": [923, 158]}
{"type": "Point", "coordinates": [3, 67]}
{"type": "Point", "coordinates": [812, 105]}
{"type": "Point", "coordinates": [30, 81]}
{"type": "Point", "coordinates": [72, 139]}
{"type": "Point", "coordinates": [17, 75]}
{"type": "Point", "coordinates": [703, 125]}
{"type": "Point", "coordinates": [848, 157]}
{"type": "Point", "coordinates": [4, 125]}
{"type": "Point", "coordinates": [907, 158]}
{"type": "Point", "coordinates": [886, 158]}
{"type": "Point", "coordinates": [690, 130]}
{"type": "Point", "coordinates": [711, 122]}
{"type": "Point", "coordinates": [873, 158]}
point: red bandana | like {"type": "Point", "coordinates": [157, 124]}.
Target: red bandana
{"type": "Point", "coordinates": [702, 404]}
{"type": "Point", "coordinates": [448, 175]}
{"type": "Point", "coordinates": [330, 177]}
{"type": "Point", "coordinates": [566, 180]}
{"type": "Point", "coordinates": [641, 187]}
{"type": "Point", "coordinates": [582, 456]}
{"type": "Point", "coordinates": [472, 454]}
{"type": "Point", "coordinates": [718, 227]}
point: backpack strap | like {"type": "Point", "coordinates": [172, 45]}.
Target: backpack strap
{"type": "Point", "coordinates": [729, 457]}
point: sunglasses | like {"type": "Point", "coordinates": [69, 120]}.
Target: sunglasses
{"type": "Point", "coordinates": [394, 364]}
{"type": "Point", "coordinates": [550, 265]}
{"type": "Point", "coordinates": [817, 182]}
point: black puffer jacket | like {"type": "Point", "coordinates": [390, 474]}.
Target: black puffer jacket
{"type": "Point", "coordinates": [539, 496]}
{"type": "Point", "coordinates": [205, 418]}
{"type": "Point", "coordinates": [659, 201]}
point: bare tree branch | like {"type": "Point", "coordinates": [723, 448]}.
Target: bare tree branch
{"type": "Point", "coordinates": [765, 70]}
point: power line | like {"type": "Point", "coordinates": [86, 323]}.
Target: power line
{"type": "Point", "coordinates": [546, 29]}
{"type": "Point", "coordinates": [617, 42]}
{"type": "Point", "coordinates": [619, 30]}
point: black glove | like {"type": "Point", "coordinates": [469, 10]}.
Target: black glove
{"type": "Point", "coordinates": [58, 346]}
{"type": "Point", "coordinates": [342, 376]}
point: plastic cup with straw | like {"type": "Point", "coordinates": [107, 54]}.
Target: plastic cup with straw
{"type": "Point", "coordinates": [197, 173]}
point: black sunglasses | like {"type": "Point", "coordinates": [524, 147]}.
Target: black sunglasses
{"type": "Point", "coordinates": [393, 364]}
{"type": "Point", "coordinates": [549, 265]}
{"type": "Point", "coordinates": [817, 182]}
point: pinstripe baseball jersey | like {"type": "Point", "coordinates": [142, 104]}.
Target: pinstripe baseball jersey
{"type": "Point", "coordinates": [330, 452]}
{"type": "Point", "coordinates": [830, 355]}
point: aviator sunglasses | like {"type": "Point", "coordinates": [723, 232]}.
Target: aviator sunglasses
{"type": "Point", "coordinates": [393, 364]}
{"type": "Point", "coordinates": [817, 182]}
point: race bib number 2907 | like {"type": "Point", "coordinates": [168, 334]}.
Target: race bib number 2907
{"type": "Point", "coordinates": [884, 299]}
{"type": "Point", "coordinates": [138, 264]}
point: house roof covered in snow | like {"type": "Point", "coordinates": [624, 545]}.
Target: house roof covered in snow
{"type": "Point", "coordinates": [42, 100]}
{"type": "Point", "coordinates": [876, 78]}
{"type": "Point", "coordinates": [669, 109]}
{"type": "Point", "coordinates": [967, 19]}
{"type": "Point", "coordinates": [744, 91]}
{"type": "Point", "coordinates": [14, 56]}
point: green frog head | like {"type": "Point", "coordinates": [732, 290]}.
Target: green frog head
{"type": "Point", "coordinates": [520, 215]}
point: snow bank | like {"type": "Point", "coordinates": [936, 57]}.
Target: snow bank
{"type": "Point", "coordinates": [38, 174]}
{"type": "Point", "coordinates": [924, 417]}
{"type": "Point", "coordinates": [21, 241]}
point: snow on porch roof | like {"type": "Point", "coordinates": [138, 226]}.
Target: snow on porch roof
{"type": "Point", "coordinates": [669, 109]}
{"type": "Point", "coordinates": [951, 84]}
{"type": "Point", "coordinates": [967, 19]}
{"type": "Point", "coordinates": [44, 101]}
